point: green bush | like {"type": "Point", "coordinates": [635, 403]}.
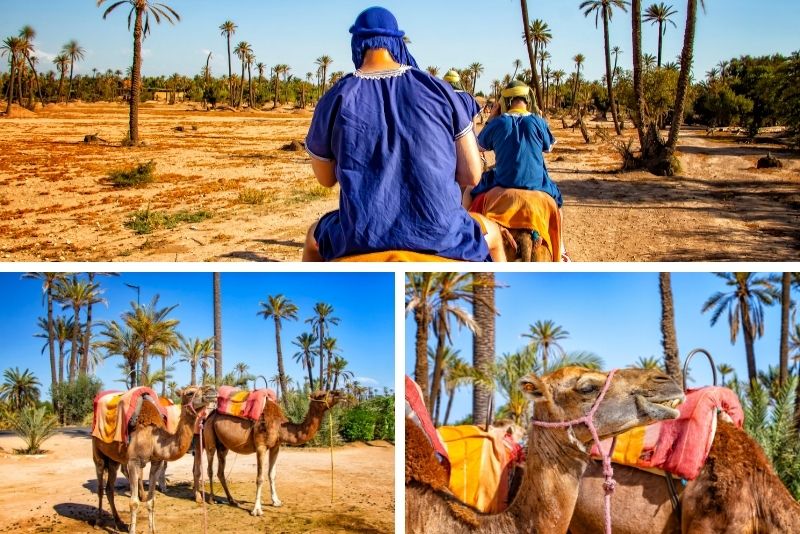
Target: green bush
{"type": "Point", "coordinates": [75, 399]}
{"type": "Point", "coordinates": [358, 424]}
{"type": "Point", "coordinates": [34, 426]}
{"type": "Point", "coordinates": [146, 221]}
{"type": "Point", "coordinates": [135, 177]}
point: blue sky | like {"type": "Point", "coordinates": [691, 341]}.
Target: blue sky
{"type": "Point", "coordinates": [364, 302]}
{"type": "Point", "coordinates": [615, 315]}
{"type": "Point", "coordinates": [443, 33]}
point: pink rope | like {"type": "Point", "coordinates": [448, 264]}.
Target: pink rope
{"type": "Point", "coordinates": [609, 483]}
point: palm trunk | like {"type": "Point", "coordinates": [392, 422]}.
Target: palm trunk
{"type": "Point", "coordinates": [324, 80]}
{"type": "Point", "coordinates": [335, 380]}
{"type": "Point", "coordinates": [309, 364]}
{"type": "Point", "coordinates": [51, 337]}
{"type": "Point", "coordinates": [145, 367]}
{"type": "Point", "coordinates": [61, 85]}
{"type": "Point", "coordinates": [531, 57]}
{"type": "Point", "coordinates": [786, 299]}
{"type": "Point", "coordinates": [669, 338]}
{"type": "Point", "coordinates": [217, 329]}
{"type": "Point", "coordinates": [136, 77]}
{"type": "Point", "coordinates": [241, 88]}
{"type": "Point", "coordinates": [87, 339]}
{"type": "Point", "coordinates": [281, 372]}
{"type": "Point", "coordinates": [71, 70]}
{"type": "Point", "coordinates": [163, 375]}
{"type": "Point", "coordinates": [687, 59]}
{"type": "Point", "coordinates": [609, 79]}
{"type": "Point", "coordinates": [250, 84]}
{"type": "Point", "coordinates": [438, 367]}
{"type": "Point", "coordinates": [483, 343]}
{"type": "Point", "coordinates": [449, 406]}
{"type": "Point", "coordinates": [437, 408]}
{"type": "Point", "coordinates": [193, 367]}
{"type": "Point", "coordinates": [60, 362]}
{"type": "Point", "coordinates": [11, 83]}
{"type": "Point", "coordinates": [36, 80]}
{"type": "Point", "coordinates": [749, 337]}
{"type": "Point", "coordinates": [73, 360]}
{"type": "Point", "coordinates": [230, 73]}
{"type": "Point", "coordinates": [660, 41]}
{"type": "Point", "coordinates": [575, 88]}
{"type": "Point", "coordinates": [423, 321]}
{"type": "Point", "coordinates": [328, 370]}
{"type": "Point", "coordinates": [321, 355]}
{"type": "Point", "coordinates": [275, 96]}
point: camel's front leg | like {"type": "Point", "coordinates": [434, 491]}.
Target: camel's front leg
{"type": "Point", "coordinates": [134, 477]}
{"type": "Point", "coordinates": [100, 468]}
{"type": "Point", "coordinates": [156, 470]}
{"type": "Point", "coordinates": [111, 492]}
{"type": "Point", "coordinates": [273, 471]}
{"type": "Point", "coordinates": [196, 470]}
{"type": "Point", "coordinates": [222, 455]}
{"type": "Point", "coordinates": [261, 460]}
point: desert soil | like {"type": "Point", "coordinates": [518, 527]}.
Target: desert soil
{"type": "Point", "coordinates": [54, 493]}
{"type": "Point", "coordinates": [56, 203]}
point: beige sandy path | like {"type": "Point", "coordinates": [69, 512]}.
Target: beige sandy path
{"type": "Point", "coordinates": [54, 492]}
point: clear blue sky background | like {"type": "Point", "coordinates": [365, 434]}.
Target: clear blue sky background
{"type": "Point", "coordinates": [615, 315]}
{"type": "Point", "coordinates": [364, 302]}
{"type": "Point", "coordinates": [444, 33]}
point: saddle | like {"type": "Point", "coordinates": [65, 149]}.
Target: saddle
{"type": "Point", "coordinates": [242, 403]}
{"type": "Point", "coordinates": [116, 412]}
{"type": "Point", "coordinates": [679, 447]}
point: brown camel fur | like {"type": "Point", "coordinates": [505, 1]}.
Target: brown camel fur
{"type": "Point", "coordinates": [736, 492]}
{"type": "Point", "coordinates": [149, 443]}
{"type": "Point", "coordinates": [557, 457]}
{"type": "Point", "coordinates": [223, 433]}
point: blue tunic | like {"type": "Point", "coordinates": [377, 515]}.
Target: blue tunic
{"type": "Point", "coordinates": [519, 141]}
{"type": "Point", "coordinates": [473, 109]}
{"type": "Point", "coordinates": [391, 135]}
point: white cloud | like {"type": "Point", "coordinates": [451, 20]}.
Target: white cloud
{"type": "Point", "coordinates": [366, 381]}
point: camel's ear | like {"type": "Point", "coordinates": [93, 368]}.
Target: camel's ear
{"type": "Point", "coordinates": [533, 388]}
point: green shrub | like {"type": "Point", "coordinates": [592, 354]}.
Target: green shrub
{"type": "Point", "coordinates": [75, 399]}
{"type": "Point", "coordinates": [252, 196]}
{"type": "Point", "coordinates": [135, 177]}
{"type": "Point", "coordinates": [34, 426]}
{"type": "Point", "coordinates": [147, 221]}
{"type": "Point", "coordinates": [358, 424]}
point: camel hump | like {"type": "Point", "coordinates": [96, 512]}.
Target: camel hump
{"type": "Point", "coordinates": [272, 410]}
{"type": "Point", "coordinates": [421, 463]}
{"type": "Point", "coordinates": [149, 416]}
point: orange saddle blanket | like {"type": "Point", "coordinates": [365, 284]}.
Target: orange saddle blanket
{"type": "Point", "coordinates": [679, 446]}
{"type": "Point", "coordinates": [519, 209]}
{"type": "Point", "coordinates": [116, 411]}
{"type": "Point", "coordinates": [242, 403]}
{"type": "Point", "coordinates": [394, 256]}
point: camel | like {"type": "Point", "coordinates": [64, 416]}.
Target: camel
{"type": "Point", "coordinates": [557, 457]}
{"type": "Point", "coordinates": [149, 442]}
{"type": "Point", "coordinates": [223, 433]}
{"type": "Point", "coordinates": [736, 491]}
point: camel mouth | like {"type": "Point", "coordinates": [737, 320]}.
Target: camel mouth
{"type": "Point", "coordinates": [660, 409]}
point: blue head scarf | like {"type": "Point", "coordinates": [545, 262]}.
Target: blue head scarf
{"type": "Point", "coordinates": [376, 27]}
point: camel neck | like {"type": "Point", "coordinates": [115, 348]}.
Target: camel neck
{"type": "Point", "coordinates": [182, 439]}
{"type": "Point", "coordinates": [297, 434]}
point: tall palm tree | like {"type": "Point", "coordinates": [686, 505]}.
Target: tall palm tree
{"type": "Point", "coordinates": [228, 29]}
{"type": "Point", "coordinates": [616, 52]}
{"type": "Point", "coordinates": [217, 290]}
{"type": "Point", "coordinates": [120, 340]}
{"type": "Point", "coordinates": [433, 71]}
{"type": "Point", "coordinates": [19, 389]}
{"type": "Point", "coordinates": [62, 328]}
{"type": "Point", "coordinates": [61, 61]}
{"type": "Point", "coordinates": [322, 320]}
{"type": "Point", "coordinates": [578, 59]}
{"type": "Point", "coordinates": [604, 9]}
{"type": "Point", "coordinates": [523, 4]}
{"type": "Point", "coordinates": [744, 303]}
{"type": "Point", "coordinates": [242, 370]}
{"type": "Point", "coordinates": [279, 309]}
{"type": "Point", "coordinates": [242, 51]}
{"type": "Point", "coordinates": [194, 351]}
{"type": "Point", "coordinates": [140, 14]}
{"type": "Point", "coordinates": [545, 337]}
{"type": "Point", "coordinates": [786, 301]}
{"type": "Point", "coordinates": [153, 328]}
{"type": "Point", "coordinates": [669, 339]}
{"type": "Point", "coordinates": [74, 293]}
{"type": "Point", "coordinates": [49, 281]}
{"type": "Point", "coordinates": [558, 76]}
{"type": "Point", "coordinates": [541, 36]}
{"type": "Point", "coordinates": [94, 298]}
{"type": "Point", "coordinates": [74, 52]}
{"type": "Point", "coordinates": [517, 65]}
{"type": "Point", "coordinates": [724, 370]}
{"type": "Point", "coordinates": [331, 351]}
{"type": "Point", "coordinates": [305, 356]}
{"type": "Point", "coordinates": [483, 341]}
{"type": "Point", "coordinates": [338, 368]}
{"type": "Point", "coordinates": [660, 14]}
{"type": "Point", "coordinates": [324, 62]}
{"type": "Point", "coordinates": [420, 292]}
{"type": "Point", "coordinates": [12, 46]}
{"type": "Point", "coordinates": [457, 373]}
{"type": "Point", "coordinates": [476, 69]}
{"type": "Point", "coordinates": [28, 34]}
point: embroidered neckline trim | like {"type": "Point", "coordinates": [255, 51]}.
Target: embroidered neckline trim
{"type": "Point", "coordinates": [383, 74]}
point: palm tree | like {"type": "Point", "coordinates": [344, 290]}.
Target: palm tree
{"type": "Point", "coordinates": [420, 291]}
{"type": "Point", "coordinates": [49, 281]}
{"type": "Point", "coordinates": [544, 336]}
{"type": "Point", "coordinates": [140, 13]}
{"type": "Point", "coordinates": [279, 308]}
{"type": "Point", "coordinates": [483, 341]}
{"type": "Point", "coordinates": [604, 9]}
{"type": "Point", "coordinates": [523, 4]}
{"type": "Point", "coordinates": [194, 351]}
{"type": "Point", "coordinates": [74, 52]}
{"type": "Point", "coordinates": [217, 327]}
{"type": "Point", "coordinates": [616, 52]}
{"type": "Point", "coordinates": [786, 302]}
{"type": "Point", "coordinates": [305, 356]}
{"type": "Point", "coordinates": [669, 339]}
{"type": "Point", "coordinates": [155, 331]}
{"type": "Point", "coordinates": [338, 367]}
{"type": "Point", "coordinates": [725, 370]}
{"type": "Point", "coordinates": [322, 320]}
{"type": "Point", "coordinates": [120, 340]}
{"type": "Point", "coordinates": [660, 14]}
{"type": "Point", "coordinates": [649, 362]}
{"type": "Point", "coordinates": [476, 69]}
{"type": "Point", "coordinates": [457, 373]}
{"type": "Point", "coordinates": [242, 370]}
{"type": "Point", "coordinates": [558, 76]}
{"type": "Point", "coordinates": [94, 298]}
{"type": "Point", "coordinates": [433, 71]}
{"type": "Point", "coordinates": [28, 34]}
{"type": "Point", "coordinates": [12, 46]}
{"type": "Point", "coordinates": [62, 328]}
{"type": "Point", "coordinates": [745, 306]}
{"type": "Point", "coordinates": [228, 28]}
{"type": "Point", "coordinates": [20, 389]}
{"type": "Point", "coordinates": [74, 293]}
{"type": "Point", "coordinates": [331, 350]}
{"type": "Point", "coordinates": [242, 51]}
{"type": "Point", "coordinates": [517, 65]}
{"type": "Point", "coordinates": [578, 59]}
{"type": "Point", "coordinates": [61, 61]}
{"type": "Point", "coordinates": [541, 36]}
{"type": "Point", "coordinates": [324, 62]}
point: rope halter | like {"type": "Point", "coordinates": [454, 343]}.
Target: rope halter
{"type": "Point", "coordinates": [609, 483]}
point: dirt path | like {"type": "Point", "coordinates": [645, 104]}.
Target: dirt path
{"type": "Point", "coordinates": [55, 493]}
{"type": "Point", "coordinates": [57, 205]}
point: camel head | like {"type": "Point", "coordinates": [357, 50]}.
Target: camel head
{"type": "Point", "coordinates": [636, 397]}
{"type": "Point", "coordinates": [198, 397]}
{"type": "Point", "coordinates": [326, 399]}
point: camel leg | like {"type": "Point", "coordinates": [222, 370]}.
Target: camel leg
{"type": "Point", "coordinates": [222, 455]}
{"type": "Point", "coordinates": [100, 467]}
{"type": "Point", "coordinates": [273, 471]}
{"type": "Point", "coordinates": [156, 470]}
{"type": "Point", "coordinates": [134, 477]}
{"type": "Point", "coordinates": [111, 492]}
{"type": "Point", "coordinates": [196, 467]}
{"type": "Point", "coordinates": [261, 458]}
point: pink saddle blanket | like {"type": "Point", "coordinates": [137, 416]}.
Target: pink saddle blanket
{"type": "Point", "coordinates": [245, 404]}
{"type": "Point", "coordinates": [417, 412]}
{"type": "Point", "coordinates": [679, 446]}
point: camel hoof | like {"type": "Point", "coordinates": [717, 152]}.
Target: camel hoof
{"type": "Point", "coordinates": [256, 512]}
{"type": "Point", "coordinates": [233, 502]}
{"type": "Point", "coordinates": [277, 503]}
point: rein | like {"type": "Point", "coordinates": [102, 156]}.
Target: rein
{"type": "Point", "coordinates": [330, 432]}
{"type": "Point", "coordinates": [609, 483]}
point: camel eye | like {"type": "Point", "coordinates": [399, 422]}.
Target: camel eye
{"type": "Point", "coordinates": [588, 388]}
